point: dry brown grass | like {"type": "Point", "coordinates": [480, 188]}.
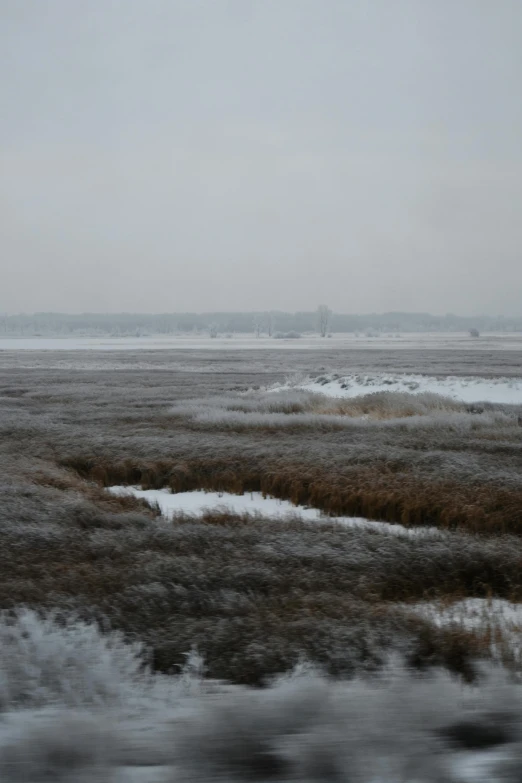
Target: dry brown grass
{"type": "Point", "coordinates": [69, 481]}
{"type": "Point", "coordinates": [383, 406]}
{"type": "Point", "coordinates": [377, 492]}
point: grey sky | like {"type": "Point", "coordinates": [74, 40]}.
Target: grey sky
{"type": "Point", "coordinates": [168, 155]}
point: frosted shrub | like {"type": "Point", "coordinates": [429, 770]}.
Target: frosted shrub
{"type": "Point", "coordinates": [47, 660]}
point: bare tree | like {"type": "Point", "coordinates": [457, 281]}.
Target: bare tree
{"type": "Point", "coordinates": [324, 316]}
{"type": "Point", "coordinates": [213, 330]}
{"type": "Point", "coordinates": [258, 324]}
{"type": "Point", "coordinates": [270, 323]}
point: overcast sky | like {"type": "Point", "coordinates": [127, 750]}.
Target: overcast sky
{"type": "Point", "coordinates": [174, 155]}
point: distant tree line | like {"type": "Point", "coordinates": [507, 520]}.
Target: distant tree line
{"type": "Point", "coordinates": [267, 323]}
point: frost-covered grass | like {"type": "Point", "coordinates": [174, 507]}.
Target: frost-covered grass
{"type": "Point", "coordinates": [66, 724]}
{"type": "Point", "coordinates": [52, 660]}
{"type": "Point", "coordinates": [297, 409]}
{"type": "Point", "coordinates": [255, 594]}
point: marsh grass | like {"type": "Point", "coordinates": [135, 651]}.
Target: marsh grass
{"type": "Point", "coordinates": [254, 595]}
{"type": "Point", "coordinates": [382, 491]}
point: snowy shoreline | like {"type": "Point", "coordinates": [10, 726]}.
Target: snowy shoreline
{"type": "Point", "coordinates": [469, 389]}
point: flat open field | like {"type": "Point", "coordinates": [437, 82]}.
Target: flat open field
{"type": "Point", "coordinates": [450, 341]}
{"type": "Point", "coordinates": [438, 583]}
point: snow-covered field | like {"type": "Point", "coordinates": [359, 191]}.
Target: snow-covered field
{"type": "Point", "coordinates": [465, 389]}
{"type": "Point", "coordinates": [436, 340]}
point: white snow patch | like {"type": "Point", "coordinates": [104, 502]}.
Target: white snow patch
{"type": "Point", "coordinates": [198, 502]}
{"type": "Point", "coordinates": [501, 619]}
{"type": "Point", "coordinates": [463, 389]}
{"type": "Point", "coordinates": [473, 613]}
